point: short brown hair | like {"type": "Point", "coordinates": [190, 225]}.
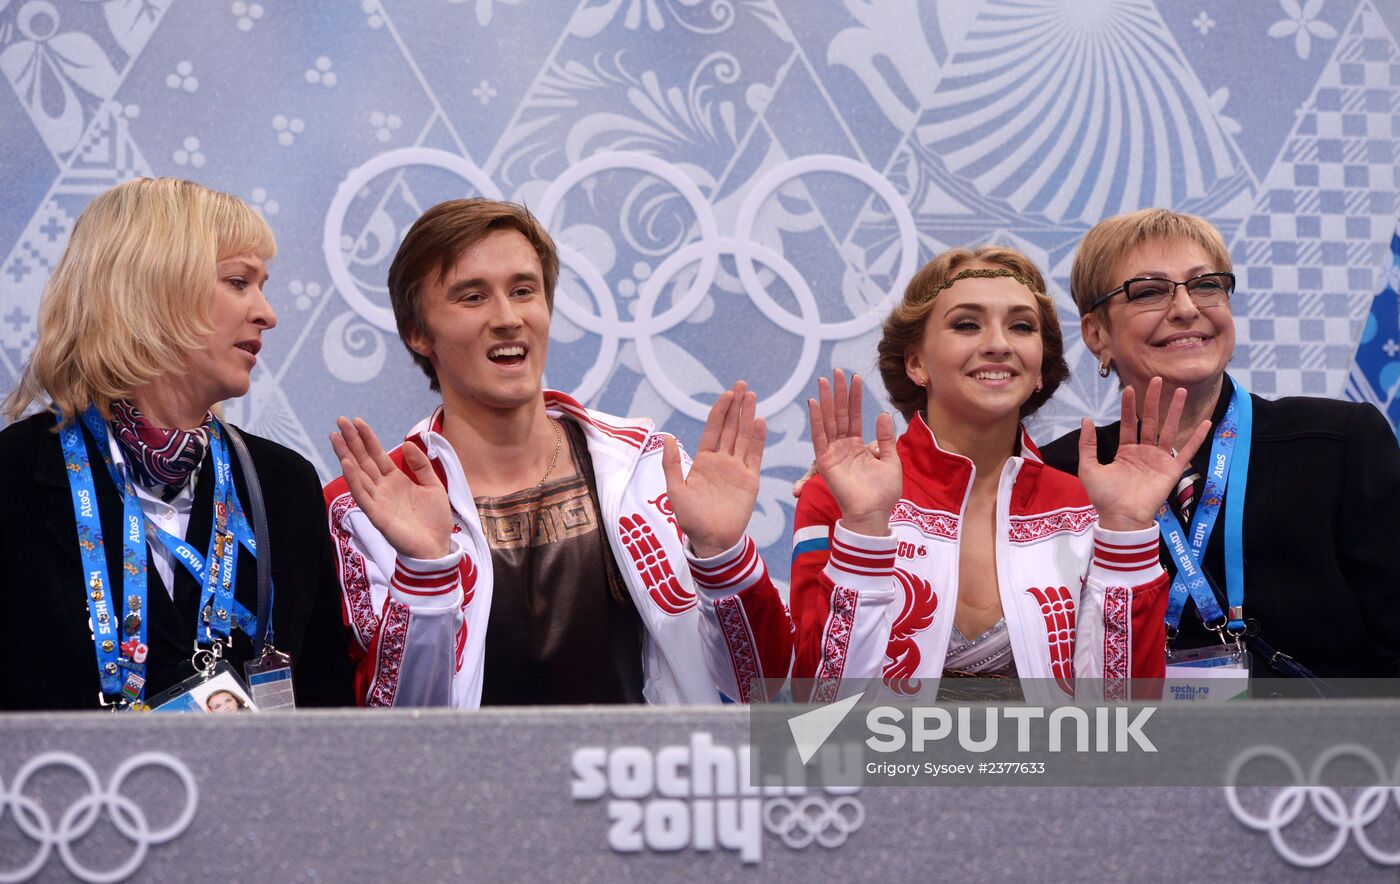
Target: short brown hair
{"type": "Point", "coordinates": [1109, 241]}
{"type": "Point", "coordinates": [129, 300]}
{"type": "Point", "coordinates": [905, 327]}
{"type": "Point", "coordinates": [435, 242]}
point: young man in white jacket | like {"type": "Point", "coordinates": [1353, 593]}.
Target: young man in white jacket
{"type": "Point", "coordinates": [519, 548]}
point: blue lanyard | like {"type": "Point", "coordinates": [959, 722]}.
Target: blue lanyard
{"type": "Point", "coordinates": [195, 564]}
{"type": "Point", "coordinates": [1228, 467]}
{"type": "Point", "coordinates": [217, 570]}
{"type": "Point", "coordinates": [118, 634]}
{"type": "Point", "coordinates": [120, 641]}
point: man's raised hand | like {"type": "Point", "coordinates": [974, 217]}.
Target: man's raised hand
{"type": "Point", "coordinates": [413, 514]}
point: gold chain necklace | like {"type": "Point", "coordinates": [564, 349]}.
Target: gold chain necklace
{"type": "Point", "coordinates": [554, 459]}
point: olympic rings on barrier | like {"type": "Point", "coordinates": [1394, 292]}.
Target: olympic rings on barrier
{"type": "Point", "coordinates": [704, 253]}
{"type": "Point", "coordinates": [126, 815]}
{"type": "Point", "coordinates": [813, 818]}
{"type": "Point", "coordinates": [1330, 806]}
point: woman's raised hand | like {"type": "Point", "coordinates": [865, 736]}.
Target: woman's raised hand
{"type": "Point", "coordinates": [866, 483]}
{"type": "Point", "coordinates": [1129, 491]}
{"type": "Point", "coordinates": [714, 501]}
{"type": "Point", "coordinates": [413, 514]}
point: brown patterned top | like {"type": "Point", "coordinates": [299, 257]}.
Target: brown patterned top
{"type": "Point", "coordinates": [562, 630]}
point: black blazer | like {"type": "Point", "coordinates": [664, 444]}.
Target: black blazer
{"type": "Point", "coordinates": [47, 660]}
{"type": "Point", "coordinates": [1321, 528]}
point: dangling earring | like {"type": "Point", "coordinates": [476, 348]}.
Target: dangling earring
{"type": "Point", "coordinates": [1104, 368]}
{"type": "Point", "coordinates": [1039, 385]}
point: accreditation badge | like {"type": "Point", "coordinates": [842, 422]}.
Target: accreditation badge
{"type": "Point", "coordinates": [270, 680]}
{"type": "Point", "coordinates": [219, 691]}
{"type": "Point", "coordinates": [1207, 675]}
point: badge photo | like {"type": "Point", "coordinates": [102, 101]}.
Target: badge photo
{"type": "Point", "coordinates": [222, 692]}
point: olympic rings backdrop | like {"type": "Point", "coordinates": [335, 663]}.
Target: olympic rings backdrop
{"type": "Point", "coordinates": [738, 186]}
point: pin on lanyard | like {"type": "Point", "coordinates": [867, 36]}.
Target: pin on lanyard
{"type": "Point", "coordinates": [216, 572]}
{"type": "Point", "coordinates": [196, 565]}
{"type": "Point", "coordinates": [216, 591]}
{"type": "Point", "coordinates": [1228, 468]}
{"type": "Point", "coordinates": [219, 611]}
{"type": "Point", "coordinates": [118, 633]}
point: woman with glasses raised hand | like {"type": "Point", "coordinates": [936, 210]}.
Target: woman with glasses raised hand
{"type": "Point", "coordinates": [955, 551]}
{"type": "Point", "coordinates": [127, 537]}
{"type": "Point", "coordinates": [1295, 503]}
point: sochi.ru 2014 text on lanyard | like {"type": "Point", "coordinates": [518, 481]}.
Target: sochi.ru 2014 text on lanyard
{"type": "Point", "coordinates": [120, 641]}
{"type": "Point", "coordinates": [1228, 468]}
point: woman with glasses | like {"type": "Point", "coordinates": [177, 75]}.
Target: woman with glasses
{"type": "Point", "coordinates": [955, 551]}
{"type": "Point", "coordinates": [1291, 513]}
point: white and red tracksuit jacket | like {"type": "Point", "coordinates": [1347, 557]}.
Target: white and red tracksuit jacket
{"type": "Point", "coordinates": [712, 625]}
{"type": "Point", "coordinates": [1079, 600]}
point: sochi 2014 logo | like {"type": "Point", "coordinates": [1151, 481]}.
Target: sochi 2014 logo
{"type": "Point", "coordinates": [700, 796]}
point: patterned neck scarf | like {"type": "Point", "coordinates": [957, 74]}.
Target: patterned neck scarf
{"type": "Point", "coordinates": [158, 456]}
{"type": "Point", "coordinates": [1185, 494]}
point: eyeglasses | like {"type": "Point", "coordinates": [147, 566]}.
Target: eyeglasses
{"type": "Point", "coordinates": [1148, 293]}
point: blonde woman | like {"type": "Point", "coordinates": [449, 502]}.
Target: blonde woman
{"type": "Point", "coordinates": [1289, 515]}
{"type": "Point", "coordinates": [126, 542]}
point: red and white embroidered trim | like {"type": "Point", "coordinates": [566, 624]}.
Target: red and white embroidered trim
{"type": "Point", "coordinates": [835, 644]}
{"type": "Point", "coordinates": [1025, 529]}
{"type": "Point", "coordinates": [354, 580]}
{"type": "Point", "coordinates": [1117, 633]}
{"type": "Point", "coordinates": [392, 637]}
{"type": "Point", "coordinates": [933, 523]}
{"type": "Point", "coordinates": [734, 626]}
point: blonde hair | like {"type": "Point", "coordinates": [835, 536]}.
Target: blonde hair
{"type": "Point", "coordinates": [1107, 243]}
{"type": "Point", "coordinates": [129, 299]}
{"type": "Point", "coordinates": [905, 327]}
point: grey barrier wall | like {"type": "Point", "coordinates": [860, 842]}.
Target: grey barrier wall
{"type": "Point", "coordinates": [616, 794]}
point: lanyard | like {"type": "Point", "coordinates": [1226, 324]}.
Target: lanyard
{"type": "Point", "coordinates": [217, 570]}
{"type": "Point", "coordinates": [195, 564]}
{"type": "Point", "coordinates": [216, 595]}
{"type": "Point", "coordinates": [119, 638]}
{"type": "Point", "coordinates": [1228, 467]}
{"type": "Point", "coordinates": [120, 643]}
